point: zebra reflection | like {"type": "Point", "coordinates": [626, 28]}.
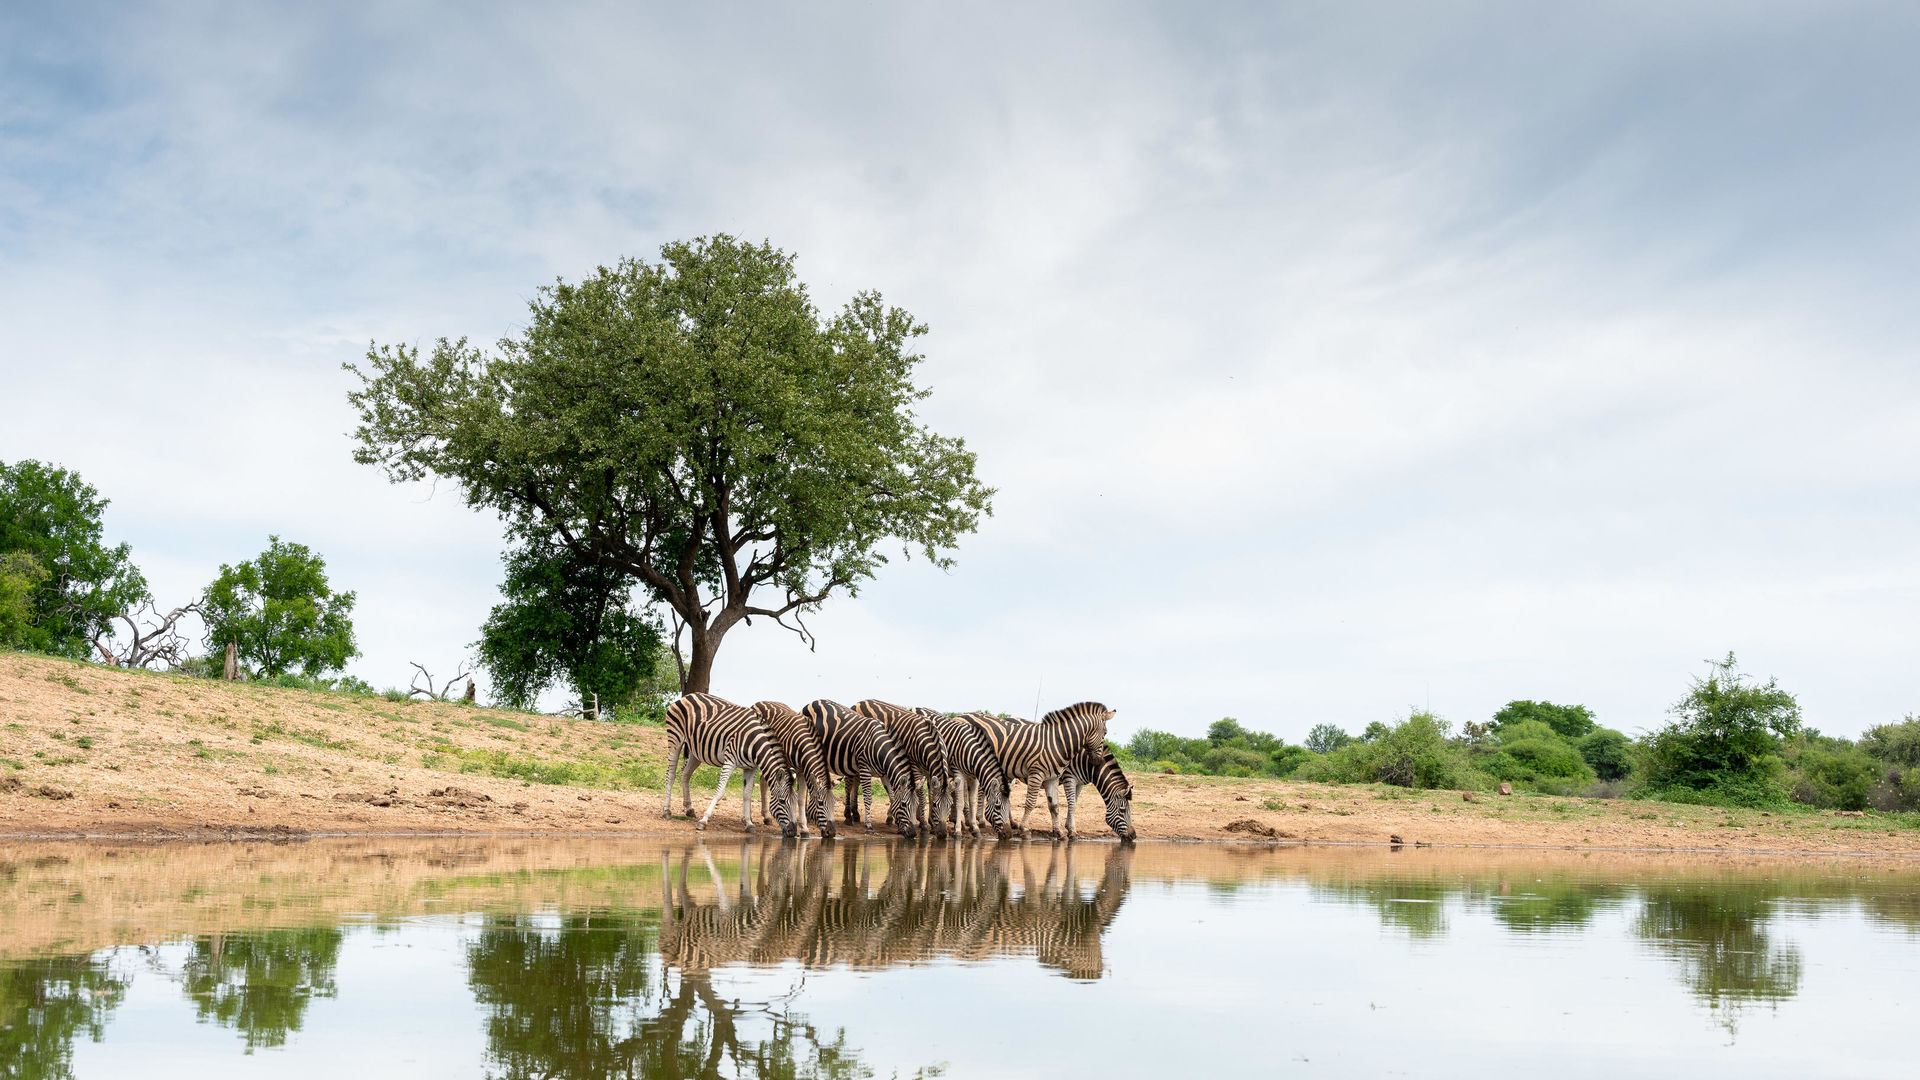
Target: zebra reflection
{"type": "Point", "coordinates": [868, 907]}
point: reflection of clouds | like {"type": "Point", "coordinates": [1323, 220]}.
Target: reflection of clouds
{"type": "Point", "coordinates": [863, 907]}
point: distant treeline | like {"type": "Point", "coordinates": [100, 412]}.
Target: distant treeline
{"type": "Point", "coordinates": [1728, 741]}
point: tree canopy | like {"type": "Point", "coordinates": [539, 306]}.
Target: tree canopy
{"type": "Point", "coordinates": [282, 612]}
{"type": "Point", "coordinates": [1567, 721]}
{"type": "Point", "coordinates": [74, 583]}
{"type": "Point", "coordinates": [693, 423]}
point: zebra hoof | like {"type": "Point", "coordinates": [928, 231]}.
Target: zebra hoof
{"type": "Point", "coordinates": [699, 826]}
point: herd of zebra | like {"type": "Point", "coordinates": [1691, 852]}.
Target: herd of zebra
{"type": "Point", "coordinates": [943, 774]}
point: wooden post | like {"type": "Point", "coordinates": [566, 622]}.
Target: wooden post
{"type": "Point", "coordinates": [596, 705]}
{"type": "Point", "coordinates": [232, 670]}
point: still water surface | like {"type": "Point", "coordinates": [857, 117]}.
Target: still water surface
{"type": "Point", "coordinates": [521, 958]}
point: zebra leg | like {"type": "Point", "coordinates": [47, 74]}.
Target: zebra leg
{"type": "Point", "coordinates": [1052, 785]}
{"type": "Point", "coordinates": [1033, 792]}
{"type": "Point", "coordinates": [866, 798]}
{"type": "Point", "coordinates": [1073, 797]}
{"type": "Point", "coordinates": [765, 818]}
{"type": "Point", "coordinates": [726, 774]}
{"type": "Point", "coordinates": [686, 785]}
{"type": "Point", "coordinates": [673, 769]}
{"type": "Point", "coordinates": [746, 797]}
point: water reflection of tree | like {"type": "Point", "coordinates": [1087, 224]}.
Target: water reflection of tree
{"type": "Point", "coordinates": [1415, 906]}
{"type": "Point", "coordinates": [1553, 904]}
{"type": "Point", "coordinates": [1720, 937]}
{"type": "Point", "coordinates": [45, 1004]}
{"type": "Point", "coordinates": [586, 999]}
{"type": "Point", "coordinates": [261, 983]}
{"type": "Point", "coordinates": [607, 996]}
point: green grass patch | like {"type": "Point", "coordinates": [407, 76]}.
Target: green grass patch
{"type": "Point", "coordinates": [575, 773]}
{"type": "Point", "coordinates": [501, 721]}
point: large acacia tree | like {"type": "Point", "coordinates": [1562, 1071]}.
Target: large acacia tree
{"type": "Point", "coordinates": [695, 423]}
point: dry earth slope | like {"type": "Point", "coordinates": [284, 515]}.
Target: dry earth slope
{"type": "Point", "coordinates": [88, 750]}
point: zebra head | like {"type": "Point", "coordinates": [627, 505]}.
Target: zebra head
{"type": "Point", "coordinates": [780, 799]}
{"type": "Point", "coordinates": [1117, 793]}
{"type": "Point", "coordinates": [999, 808]}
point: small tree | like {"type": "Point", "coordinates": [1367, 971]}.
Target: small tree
{"type": "Point", "coordinates": [565, 618]}
{"type": "Point", "coordinates": [1725, 738]}
{"type": "Point", "coordinates": [695, 425]}
{"type": "Point", "coordinates": [1326, 738]}
{"type": "Point", "coordinates": [51, 515]}
{"type": "Point", "coordinates": [282, 612]}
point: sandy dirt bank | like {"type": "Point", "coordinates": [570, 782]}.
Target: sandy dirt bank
{"type": "Point", "coordinates": [91, 751]}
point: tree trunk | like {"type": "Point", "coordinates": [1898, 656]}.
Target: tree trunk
{"type": "Point", "coordinates": [232, 669]}
{"type": "Point", "coordinates": [700, 665]}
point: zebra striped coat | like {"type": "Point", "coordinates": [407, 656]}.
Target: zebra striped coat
{"type": "Point", "coordinates": [976, 775]}
{"type": "Point", "coordinates": [1038, 754]}
{"type": "Point", "coordinates": [795, 735]}
{"type": "Point", "coordinates": [1102, 773]}
{"type": "Point", "coordinates": [859, 748]}
{"type": "Point", "coordinates": [917, 739]}
{"type": "Point", "coordinates": [707, 730]}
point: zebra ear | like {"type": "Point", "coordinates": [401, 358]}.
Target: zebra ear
{"type": "Point", "coordinates": [1108, 716]}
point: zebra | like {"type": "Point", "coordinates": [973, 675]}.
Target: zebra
{"type": "Point", "coordinates": [1102, 773]}
{"type": "Point", "coordinates": [712, 731]}
{"type": "Point", "coordinates": [859, 748]}
{"type": "Point", "coordinates": [925, 753]}
{"type": "Point", "coordinates": [1038, 754]}
{"type": "Point", "coordinates": [795, 735]}
{"type": "Point", "coordinates": [976, 774]}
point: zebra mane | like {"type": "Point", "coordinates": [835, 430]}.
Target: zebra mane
{"type": "Point", "coordinates": [1085, 710]}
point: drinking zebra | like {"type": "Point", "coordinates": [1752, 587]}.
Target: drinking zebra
{"type": "Point", "coordinates": [859, 748]}
{"type": "Point", "coordinates": [925, 753]}
{"type": "Point", "coordinates": [712, 731]}
{"type": "Point", "coordinates": [1102, 773]}
{"type": "Point", "coordinates": [1037, 754]}
{"type": "Point", "coordinates": [977, 776]}
{"type": "Point", "coordinates": [794, 733]}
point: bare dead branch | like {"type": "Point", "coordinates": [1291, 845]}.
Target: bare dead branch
{"type": "Point", "coordinates": [431, 691]}
{"type": "Point", "coordinates": [151, 637]}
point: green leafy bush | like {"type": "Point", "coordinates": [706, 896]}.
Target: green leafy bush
{"type": "Point", "coordinates": [1838, 778]}
{"type": "Point", "coordinates": [1896, 744]}
{"type": "Point", "coordinates": [1723, 743]}
{"type": "Point", "coordinates": [1235, 761]}
{"type": "Point", "coordinates": [1608, 753]}
{"type": "Point", "coordinates": [1415, 753]}
{"type": "Point", "coordinates": [1537, 759]}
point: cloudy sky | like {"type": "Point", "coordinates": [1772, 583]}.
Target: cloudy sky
{"type": "Point", "coordinates": [1329, 358]}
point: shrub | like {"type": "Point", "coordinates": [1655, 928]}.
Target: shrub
{"type": "Point", "coordinates": [1724, 739]}
{"type": "Point", "coordinates": [1234, 761]}
{"type": "Point", "coordinates": [1608, 753]}
{"type": "Point", "coordinates": [1896, 744]}
{"type": "Point", "coordinates": [1414, 753]}
{"type": "Point", "coordinates": [1546, 758]}
{"type": "Point", "coordinates": [1288, 759]}
{"type": "Point", "coordinates": [1835, 779]}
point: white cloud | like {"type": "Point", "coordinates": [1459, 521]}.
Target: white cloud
{"type": "Point", "coordinates": [1326, 363]}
